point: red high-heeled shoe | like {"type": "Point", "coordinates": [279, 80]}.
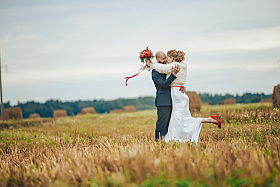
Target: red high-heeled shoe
{"type": "Point", "coordinates": [219, 122]}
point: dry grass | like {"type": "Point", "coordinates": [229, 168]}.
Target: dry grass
{"type": "Point", "coordinates": [119, 150]}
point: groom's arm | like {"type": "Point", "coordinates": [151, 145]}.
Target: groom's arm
{"type": "Point", "coordinates": [159, 80]}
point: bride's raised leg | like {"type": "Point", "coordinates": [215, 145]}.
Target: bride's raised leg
{"type": "Point", "coordinates": [209, 120]}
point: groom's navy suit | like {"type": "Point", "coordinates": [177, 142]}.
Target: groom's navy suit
{"type": "Point", "coordinates": [163, 102]}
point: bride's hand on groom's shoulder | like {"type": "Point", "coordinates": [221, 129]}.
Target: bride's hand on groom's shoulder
{"type": "Point", "coordinates": [183, 90]}
{"type": "Point", "coordinates": [176, 69]}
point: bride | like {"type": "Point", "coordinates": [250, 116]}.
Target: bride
{"type": "Point", "coordinates": [182, 126]}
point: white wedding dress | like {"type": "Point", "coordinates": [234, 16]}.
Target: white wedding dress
{"type": "Point", "coordinates": [182, 126]}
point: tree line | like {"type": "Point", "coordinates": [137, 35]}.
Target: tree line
{"type": "Point", "coordinates": [102, 106]}
{"type": "Point", "coordinates": [74, 107]}
{"type": "Point", "coordinates": [216, 99]}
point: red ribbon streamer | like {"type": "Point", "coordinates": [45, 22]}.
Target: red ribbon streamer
{"type": "Point", "coordinates": [179, 87]}
{"type": "Point", "coordinates": [140, 70]}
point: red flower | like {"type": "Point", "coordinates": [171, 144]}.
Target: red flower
{"type": "Point", "coordinates": [146, 54]}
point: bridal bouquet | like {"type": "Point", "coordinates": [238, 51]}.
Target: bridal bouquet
{"type": "Point", "coordinates": [144, 54]}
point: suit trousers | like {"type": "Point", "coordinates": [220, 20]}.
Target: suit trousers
{"type": "Point", "coordinates": [164, 113]}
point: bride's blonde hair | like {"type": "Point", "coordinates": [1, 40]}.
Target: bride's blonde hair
{"type": "Point", "coordinates": [178, 56]}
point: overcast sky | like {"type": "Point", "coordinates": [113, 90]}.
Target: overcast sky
{"type": "Point", "coordinates": [71, 50]}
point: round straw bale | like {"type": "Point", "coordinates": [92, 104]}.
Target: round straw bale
{"type": "Point", "coordinates": [228, 102]}
{"type": "Point", "coordinates": [12, 113]}
{"type": "Point", "coordinates": [129, 108]}
{"type": "Point", "coordinates": [88, 110]}
{"type": "Point", "coordinates": [116, 111]}
{"type": "Point", "coordinates": [276, 96]}
{"type": "Point", "coordinates": [59, 113]}
{"type": "Point", "coordinates": [205, 104]}
{"type": "Point", "coordinates": [195, 103]}
{"type": "Point", "coordinates": [267, 100]}
{"type": "Point", "coordinates": [34, 116]}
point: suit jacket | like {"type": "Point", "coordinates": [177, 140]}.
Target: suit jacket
{"type": "Point", "coordinates": [163, 94]}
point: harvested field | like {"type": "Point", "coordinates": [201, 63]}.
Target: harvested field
{"type": "Point", "coordinates": [116, 111]}
{"type": "Point", "coordinates": [228, 102]}
{"type": "Point", "coordinates": [268, 100]}
{"type": "Point", "coordinates": [119, 150]}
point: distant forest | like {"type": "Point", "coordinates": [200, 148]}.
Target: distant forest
{"type": "Point", "coordinates": [216, 99]}
{"type": "Point", "coordinates": [102, 106]}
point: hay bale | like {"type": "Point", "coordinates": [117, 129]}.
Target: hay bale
{"type": "Point", "coordinates": [267, 100]}
{"type": "Point", "coordinates": [12, 113]}
{"type": "Point", "coordinates": [116, 111]}
{"type": "Point", "coordinates": [276, 96]}
{"type": "Point", "coordinates": [59, 113]}
{"type": "Point", "coordinates": [228, 102]}
{"type": "Point", "coordinates": [205, 104]}
{"type": "Point", "coordinates": [34, 116]}
{"type": "Point", "coordinates": [129, 108]}
{"type": "Point", "coordinates": [88, 110]}
{"type": "Point", "coordinates": [195, 103]}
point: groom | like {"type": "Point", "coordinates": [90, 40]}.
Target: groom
{"type": "Point", "coordinates": [163, 95]}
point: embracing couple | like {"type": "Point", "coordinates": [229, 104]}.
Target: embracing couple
{"type": "Point", "coordinates": [174, 118]}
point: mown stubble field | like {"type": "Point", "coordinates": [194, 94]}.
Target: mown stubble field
{"type": "Point", "coordinates": [119, 150]}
